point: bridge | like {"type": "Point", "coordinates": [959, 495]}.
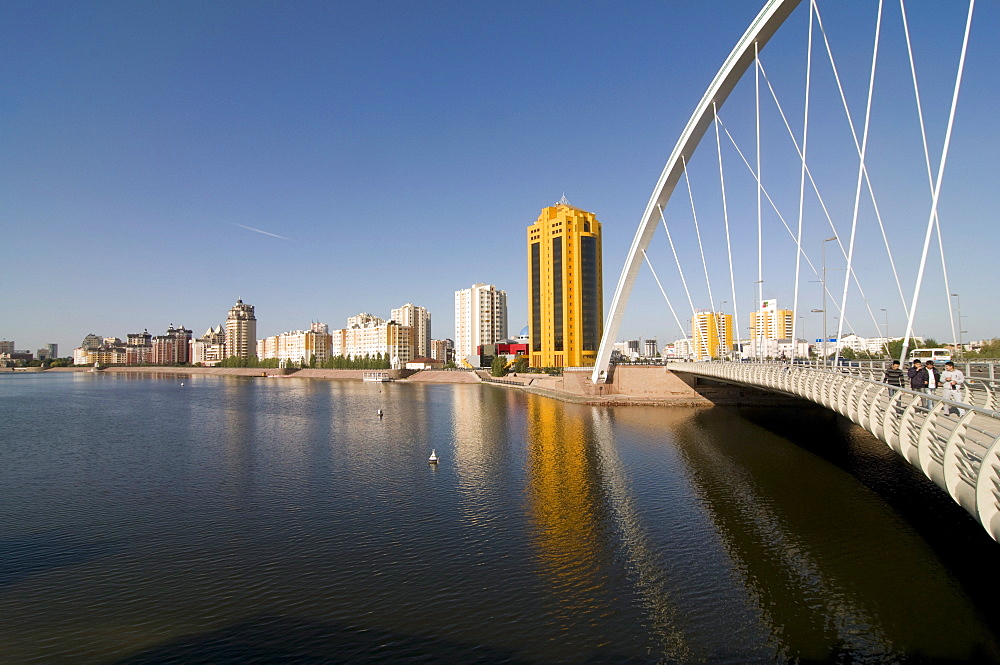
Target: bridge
{"type": "Point", "coordinates": [955, 444]}
{"type": "Point", "coordinates": [790, 175]}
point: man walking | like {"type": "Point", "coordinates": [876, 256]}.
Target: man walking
{"type": "Point", "coordinates": [894, 377]}
{"type": "Point", "coordinates": [918, 379]}
{"type": "Point", "coordinates": [952, 381]}
{"type": "Point", "coordinates": [933, 381]}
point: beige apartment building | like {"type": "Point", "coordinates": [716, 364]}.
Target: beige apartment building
{"type": "Point", "coordinates": [376, 337]}
{"type": "Point", "coordinates": [297, 346]}
{"type": "Point", "coordinates": [241, 331]}
{"type": "Point", "coordinates": [419, 319]}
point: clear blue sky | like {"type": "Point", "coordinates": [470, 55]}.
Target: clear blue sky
{"type": "Point", "coordinates": [396, 151]}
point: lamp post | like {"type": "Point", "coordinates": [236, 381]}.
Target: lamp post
{"type": "Point", "coordinates": [758, 297]}
{"type": "Point", "coordinates": [718, 329]}
{"type": "Point", "coordinates": [887, 354]}
{"type": "Point", "coordinates": [817, 311]}
{"type": "Point", "coordinates": [823, 253]}
{"type": "Point", "coordinates": [959, 307]}
{"type": "Point", "coordinates": [802, 331]}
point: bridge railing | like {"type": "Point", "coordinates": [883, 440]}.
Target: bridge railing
{"type": "Point", "coordinates": [955, 444]}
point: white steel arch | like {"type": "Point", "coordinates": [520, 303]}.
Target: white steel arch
{"type": "Point", "coordinates": [742, 56]}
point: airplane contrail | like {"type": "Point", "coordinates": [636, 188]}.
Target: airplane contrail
{"type": "Point", "coordinates": [250, 228]}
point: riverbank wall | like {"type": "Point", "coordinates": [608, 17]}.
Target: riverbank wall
{"type": "Point", "coordinates": [627, 385]}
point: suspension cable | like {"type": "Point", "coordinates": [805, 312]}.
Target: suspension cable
{"type": "Point", "coordinates": [679, 326]}
{"type": "Point", "coordinates": [802, 180]}
{"type": "Point", "coordinates": [725, 217]}
{"type": "Point", "coordinates": [937, 183]}
{"type": "Point", "coordinates": [857, 192]}
{"type": "Point", "coordinates": [826, 212]}
{"type": "Point", "coordinates": [857, 146]}
{"type": "Point", "coordinates": [927, 161]}
{"type": "Point", "coordinates": [701, 248]}
{"type": "Point", "coordinates": [760, 232]}
{"type": "Point", "coordinates": [676, 259]}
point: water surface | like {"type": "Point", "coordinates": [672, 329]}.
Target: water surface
{"type": "Point", "coordinates": [237, 519]}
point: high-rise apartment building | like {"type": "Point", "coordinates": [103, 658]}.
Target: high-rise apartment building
{"type": "Point", "coordinates": [91, 342]}
{"type": "Point", "coordinates": [241, 331]}
{"type": "Point", "coordinates": [419, 320]}
{"type": "Point", "coordinates": [208, 349]}
{"type": "Point", "coordinates": [174, 348]}
{"type": "Point", "coordinates": [480, 318]}
{"type": "Point", "coordinates": [565, 287]}
{"type": "Point", "coordinates": [377, 337]}
{"type": "Point", "coordinates": [711, 335]}
{"type": "Point", "coordinates": [770, 322]}
{"type": "Point", "coordinates": [6, 346]}
{"type": "Point", "coordinates": [139, 348]}
{"type": "Point", "coordinates": [443, 350]}
{"type": "Point", "coordinates": [364, 319]}
{"type": "Point", "coordinates": [298, 346]}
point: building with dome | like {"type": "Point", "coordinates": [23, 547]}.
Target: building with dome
{"type": "Point", "coordinates": [241, 331]}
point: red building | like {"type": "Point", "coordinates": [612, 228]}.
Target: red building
{"type": "Point", "coordinates": [172, 348]}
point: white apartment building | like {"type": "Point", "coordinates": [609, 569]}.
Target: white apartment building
{"type": "Point", "coordinates": [208, 349]}
{"type": "Point", "coordinates": [480, 318]}
{"type": "Point", "coordinates": [627, 348]}
{"type": "Point", "coordinates": [298, 346]}
{"type": "Point", "coordinates": [364, 319]}
{"type": "Point", "coordinates": [680, 349]}
{"type": "Point", "coordinates": [873, 345]}
{"type": "Point", "coordinates": [419, 319]}
{"type": "Point", "coordinates": [374, 339]}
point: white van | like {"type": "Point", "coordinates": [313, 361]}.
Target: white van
{"type": "Point", "coordinates": [939, 356]}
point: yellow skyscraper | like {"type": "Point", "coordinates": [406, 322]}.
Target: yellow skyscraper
{"type": "Point", "coordinates": [711, 335]}
{"type": "Point", "coordinates": [565, 287]}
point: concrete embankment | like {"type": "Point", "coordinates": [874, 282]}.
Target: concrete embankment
{"type": "Point", "coordinates": [628, 385]}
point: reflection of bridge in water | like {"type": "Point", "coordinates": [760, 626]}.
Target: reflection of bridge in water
{"type": "Point", "coordinates": [956, 445]}
{"type": "Point", "coordinates": [824, 167]}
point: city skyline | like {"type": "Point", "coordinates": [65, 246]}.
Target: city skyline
{"type": "Point", "coordinates": [225, 149]}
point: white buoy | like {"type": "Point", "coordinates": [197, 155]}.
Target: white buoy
{"type": "Point", "coordinates": [433, 459]}
{"type": "Point", "coordinates": [182, 384]}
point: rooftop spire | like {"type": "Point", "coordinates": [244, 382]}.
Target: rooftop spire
{"type": "Point", "coordinates": [563, 200]}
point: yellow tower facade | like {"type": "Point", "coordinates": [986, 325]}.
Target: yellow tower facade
{"type": "Point", "coordinates": [565, 287]}
{"type": "Point", "coordinates": [770, 322]}
{"type": "Point", "coordinates": [711, 335]}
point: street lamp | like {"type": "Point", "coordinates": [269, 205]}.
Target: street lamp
{"type": "Point", "coordinates": [758, 298]}
{"type": "Point", "coordinates": [886, 331]}
{"type": "Point", "coordinates": [823, 252]}
{"type": "Point", "coordinates": [817, 311]}
{"type": "Point", "coordinates": [960, 331]}
{"type": "Point", "coordinates": [717, 315]}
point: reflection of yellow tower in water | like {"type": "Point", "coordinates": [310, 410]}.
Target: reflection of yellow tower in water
{"type": "Point", "coordinates": [563, 504]}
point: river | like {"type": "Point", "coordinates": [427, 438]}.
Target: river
{"type": "Point", "coordinates": [206, 519]}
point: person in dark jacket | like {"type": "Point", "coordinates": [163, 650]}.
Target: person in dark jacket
{"type": "Point", "coordinates": [924, 379]}
{"type": "Point", "coordinates": [918, 375]}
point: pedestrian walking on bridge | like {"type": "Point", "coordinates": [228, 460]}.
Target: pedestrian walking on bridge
{"type": "Point", "coordinates": [952, 381]}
